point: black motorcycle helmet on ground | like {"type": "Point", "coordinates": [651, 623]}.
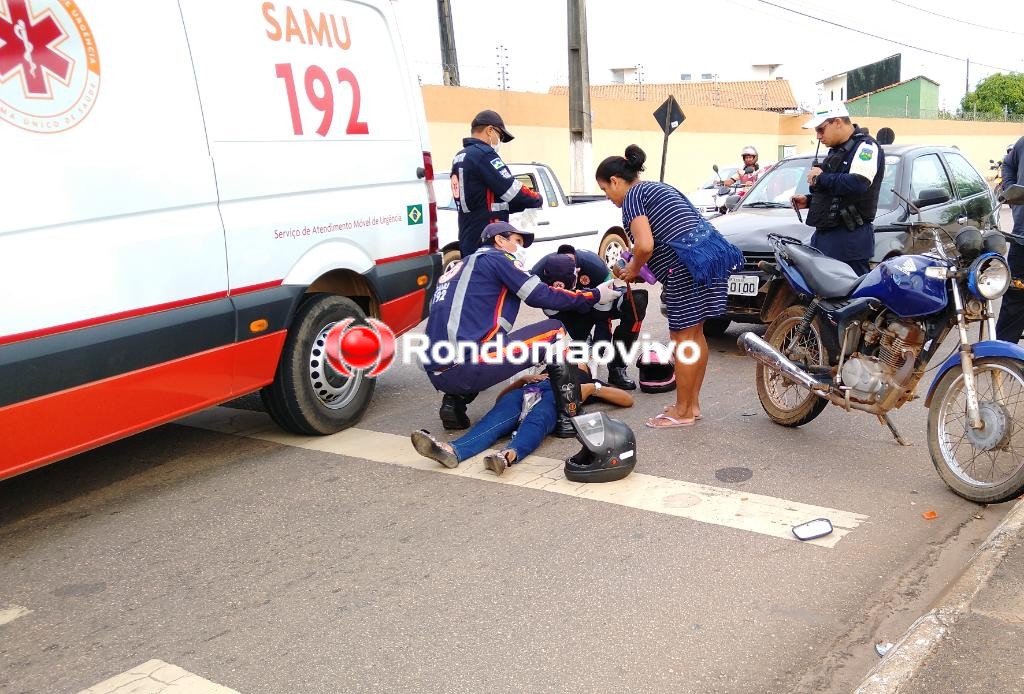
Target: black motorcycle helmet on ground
{"type": "Point", "coordinates": [608, 453]}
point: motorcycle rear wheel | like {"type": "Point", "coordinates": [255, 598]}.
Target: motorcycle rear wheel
{"type": "Point", "coordinates": [994, 471]}
{"type": "Point", "coordinates": [784, 402]}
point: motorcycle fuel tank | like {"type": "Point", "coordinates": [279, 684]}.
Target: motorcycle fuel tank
{"type": "Point", "coordinates": [901, 284]}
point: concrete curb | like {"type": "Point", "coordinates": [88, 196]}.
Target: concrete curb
{"type": "Point", "coordinates": [924, 636]}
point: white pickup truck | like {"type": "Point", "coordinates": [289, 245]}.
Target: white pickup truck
{"type": "Point", "coordinates": [590, 222]}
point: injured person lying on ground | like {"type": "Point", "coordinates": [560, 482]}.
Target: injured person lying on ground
{"type": "Point", "coordinates": [526, 410]}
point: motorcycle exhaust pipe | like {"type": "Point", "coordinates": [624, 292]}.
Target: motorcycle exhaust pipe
{"type": "Point", "coordinates": [775, 360]}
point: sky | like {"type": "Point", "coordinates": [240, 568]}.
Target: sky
{"type": "Point", "coordinates": [670, 37]}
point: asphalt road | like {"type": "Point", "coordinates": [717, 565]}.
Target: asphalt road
{"type": "Point", "coordinates": [267, 567]}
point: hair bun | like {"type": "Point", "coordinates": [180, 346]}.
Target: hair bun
{"type": "Point", "coordinates": [636, 158]}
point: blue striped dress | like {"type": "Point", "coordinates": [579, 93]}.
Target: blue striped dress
{"type": "Point", "coordinates": [671, 216]}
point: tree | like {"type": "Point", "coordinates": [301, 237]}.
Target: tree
{"type": "Point", "coordinates": [996, 95]}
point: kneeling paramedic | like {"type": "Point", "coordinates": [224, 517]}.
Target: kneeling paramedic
{"type": "Point", "coordinates": [477, 302]}
{"type": "Point", "coordinates": [843, 189]}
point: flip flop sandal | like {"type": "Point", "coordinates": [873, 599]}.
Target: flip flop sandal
{"type": "Point", "coordinates": [666, 408]}
{"type": "Point", "coordinates": [673, 423]}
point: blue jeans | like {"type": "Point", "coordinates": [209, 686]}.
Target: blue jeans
{"type": "Point", "coordinates": [502, 420]}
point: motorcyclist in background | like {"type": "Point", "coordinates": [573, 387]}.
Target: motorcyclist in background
{"type": "Point", "coordinates": [748, 172]}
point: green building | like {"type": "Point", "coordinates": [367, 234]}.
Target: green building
{"type": "Point", "coordinates": [913, 98]}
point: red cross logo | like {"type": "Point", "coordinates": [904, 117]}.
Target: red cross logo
{"type": "Point", "coordinates": [27, 45]}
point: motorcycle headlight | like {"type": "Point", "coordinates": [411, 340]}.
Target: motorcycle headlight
{"type": "Point", "coordinates": [989, 277]}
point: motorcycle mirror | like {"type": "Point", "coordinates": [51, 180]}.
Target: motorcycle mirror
{"type": "Point", "coordinates": [912, 206]}
{"type": "Point", "coordinates": [715, 167]}
{"type": "Point", "coordinates": [811, 530]}
{"type": "Point", "coordinates": [931, 196]}
{"type": "Point", "coordinates": [1013, 195]}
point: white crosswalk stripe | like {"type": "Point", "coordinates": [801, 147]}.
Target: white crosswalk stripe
{"type": "Point", "coordinates": [157, 677]}
{"type": "Point", "coordinates": [757, 513]}
{"type": "Point", "coordinates": [8, 613]}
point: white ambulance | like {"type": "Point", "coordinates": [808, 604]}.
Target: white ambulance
{"type": "Point", "coordinates": [191, 193]}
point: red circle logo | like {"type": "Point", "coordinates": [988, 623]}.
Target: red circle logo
{"type": "Point", "coordinates": [366, 347]}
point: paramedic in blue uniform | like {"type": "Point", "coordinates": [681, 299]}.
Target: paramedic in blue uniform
{"type": "Point", "coordinates": [477, 301]}
{"type": "Point", "coordinates": [483, 188]}
{"type": "Point", "coordinates": [589, 271]}
{"type": "Point", "coordinates": [1010, 325]}
{"type": "Point", "coordinates": [844, 188]}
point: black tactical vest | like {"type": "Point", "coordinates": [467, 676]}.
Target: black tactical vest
{"type": "Point", "coordinates": [826, 211]}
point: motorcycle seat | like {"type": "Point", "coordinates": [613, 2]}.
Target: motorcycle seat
{"type": "Point", "coordinates": [827, 277]}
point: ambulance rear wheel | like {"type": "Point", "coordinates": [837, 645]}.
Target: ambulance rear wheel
{"type": "Point", "coordinates": [308, 396]}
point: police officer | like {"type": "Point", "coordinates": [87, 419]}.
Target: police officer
{"type": "Point", "coordinates": [1010, 325]}
{"type": "Point", "coordinates": [477, 301]}
{"type": "Point", "coordinates": [483, 188]}
{"type": "Point", "coordinates": [843, 188]}
{"type": "Point", "coordinates": [588, 271]}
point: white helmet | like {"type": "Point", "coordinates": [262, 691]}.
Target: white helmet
{"type": "Point", "coordinates": [749, 149]}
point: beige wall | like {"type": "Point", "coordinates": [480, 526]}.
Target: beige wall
{"type": "Point", "coordinates": [710, 135]}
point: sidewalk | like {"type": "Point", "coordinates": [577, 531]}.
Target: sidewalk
{"type": "Point", "coordinates": [973, 639]}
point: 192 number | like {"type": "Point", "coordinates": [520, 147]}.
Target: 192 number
{"type": "Point", "coordinates": [322, 99]}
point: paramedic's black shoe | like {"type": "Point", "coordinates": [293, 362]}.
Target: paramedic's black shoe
{"type": "Point", "coordinates": [618, 377]}
{"type": "Point", "coordinates": [429, 447]}
{"type": "Point", "coordinates": [453, 412]}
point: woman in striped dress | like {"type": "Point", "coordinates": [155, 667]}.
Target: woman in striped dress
{"type": "Point", "coordinates": [687, 255]}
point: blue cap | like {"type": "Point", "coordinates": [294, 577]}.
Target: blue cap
{"type": "Point", "coordinates": [504, 229]}
{"type": "Point", "coordinates": [559, 267]}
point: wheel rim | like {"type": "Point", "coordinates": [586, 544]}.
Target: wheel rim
{"type": "Point", "coordinates": [975, 459]}
{"type": "Point", "coordinates": [784, 394]}
{"type": "Point", "coordinates": [613, 251]}
{"type": "Point", "coordinates": [333, 390]}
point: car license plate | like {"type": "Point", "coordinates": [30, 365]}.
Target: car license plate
{"type": "Point", "coordinates": [744, 285]}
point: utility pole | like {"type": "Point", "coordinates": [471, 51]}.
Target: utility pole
{"type": "Point", "coordinates": [580, 132]}
{"type": "Point", "coordinates": [967, 82]}
{"type": "Point", "coordinates": [449, 59]}
{"type": "Point", "coordinates": [502, 58]}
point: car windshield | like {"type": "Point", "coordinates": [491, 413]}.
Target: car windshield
{"type": "Point", "coordinates": [789, 178]}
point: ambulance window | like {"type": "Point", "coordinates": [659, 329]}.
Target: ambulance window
{"type": "Point", "coordinates": [548, 189]}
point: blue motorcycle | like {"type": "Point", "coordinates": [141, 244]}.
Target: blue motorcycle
{"type": "Point", "coordinates": [864, 342]}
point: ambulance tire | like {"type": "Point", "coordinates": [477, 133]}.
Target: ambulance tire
{"type": "Point", "coordinates": [292, 400]}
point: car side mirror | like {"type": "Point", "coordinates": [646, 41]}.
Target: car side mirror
{"type": "Point", "coordinates": [732, 202]}
{"type": "Point", "coordinates": [1012, 195]}
{"type": "Point", "coordinates": [931, 196]}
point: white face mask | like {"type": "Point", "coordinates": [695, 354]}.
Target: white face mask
{"type": "Point", "coordinates": [520, 254]}
{"type": "Point", "coordinates": [497, 145]}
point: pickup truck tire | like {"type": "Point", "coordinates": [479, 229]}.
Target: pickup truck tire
{"type": "Point", "coordinates": [612, 245]}
{"type": "Point", "coordinates": [307, 396]}
{"type": "Point", "coordinates": [716, 327]}
{"type": "Point", "coordinates": [448, 259]}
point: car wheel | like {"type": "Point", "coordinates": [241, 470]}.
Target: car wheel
{"type": "Point", "coordinates": [449, 259]}
{"type": "Point", "coordinates": [308, 396]}
{"type": "Point", "coordinates": [612, 245]}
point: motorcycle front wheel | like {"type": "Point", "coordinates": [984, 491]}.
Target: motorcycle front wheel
{"type": "Point", "coordinates": [985, 465]}
{"type": "Point", "coordinates": [784, 402]}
